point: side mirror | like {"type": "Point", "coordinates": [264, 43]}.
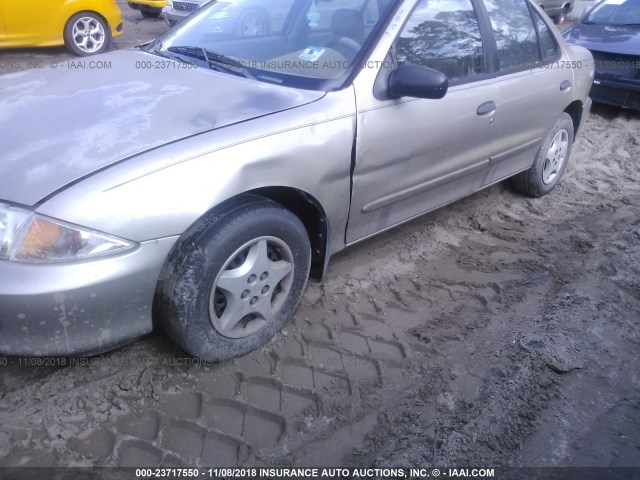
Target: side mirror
{"type": "Point", "coordinates": [418, 82]}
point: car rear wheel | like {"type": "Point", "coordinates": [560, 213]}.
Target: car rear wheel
{"type": "Point", "coordinates": [86, 33]}
{"type": "Point", "coordinates": [234, 278]}
{"type": "Point", "coordinates": [550, 162]}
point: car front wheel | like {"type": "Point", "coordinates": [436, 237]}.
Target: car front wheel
{"type": "Point", "coordinates": [550, 162]}
{"type": "Point", "coordinates": [86, 33]}
{"type": "Point", "coordinates": [234, 278]}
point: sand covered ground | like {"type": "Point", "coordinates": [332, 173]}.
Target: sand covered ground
{"type": "Point", "coordinates": [500, 330]}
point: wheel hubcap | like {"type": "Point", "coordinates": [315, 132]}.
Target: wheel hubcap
{"type": "Point", "coordinates": [88, 34]}
{"type": "Point", "coordinates": [251, 287]}
{"type": "Point", "coordinates": [556, 156]}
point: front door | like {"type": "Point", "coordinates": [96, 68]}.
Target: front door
{"type": "Point", "coordinates": [414, 155]}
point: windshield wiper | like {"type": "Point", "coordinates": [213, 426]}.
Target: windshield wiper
{"type": "Point", "coordinates": [216, 61]}
{"type": "Point", "coordinates": [165, 54]}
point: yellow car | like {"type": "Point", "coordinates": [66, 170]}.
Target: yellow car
{"type": "Point", "coordinates": [148, 8]}
{"type": "Point", "coordinates": [86, 27]}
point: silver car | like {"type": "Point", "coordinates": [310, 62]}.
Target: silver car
{"type": "Point", "coordinates": [178, 10]}
{"type": "Point", "coordinates": [197, 183]}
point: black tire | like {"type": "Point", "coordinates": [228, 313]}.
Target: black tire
{"type": "Point", "coordinates": [186, 301]}
{"type": "Point", "coordinates": [253, 23]}
{"type": "Point", "coordinates": [74, 43]}
{"type": "Point", "coordinates": [532, 182]}
{"type": "Point", "coordinates": [151, 13]}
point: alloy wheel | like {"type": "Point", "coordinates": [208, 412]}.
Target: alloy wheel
{"type": "Point", "coordinates": [88, 34]}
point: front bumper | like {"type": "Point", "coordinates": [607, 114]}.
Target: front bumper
{"type": "Point", "coordinates": [623, 93]}
{"type": "Point", "coordinates": [79, 308]}
{"type": "Point", "coordinates": [174, 16]}
{"type": "Point", "coordinates": [114, 19]}
{"type": "Point", "coordinates": [148, 3]}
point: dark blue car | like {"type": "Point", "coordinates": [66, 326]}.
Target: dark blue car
{"type": "Point", "coordinates": [611, 30]}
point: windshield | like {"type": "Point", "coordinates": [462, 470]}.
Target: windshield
{"type": "Point", "coordinates": [313, 44]}
{"type": "Point", "coordinates": [615, 12]}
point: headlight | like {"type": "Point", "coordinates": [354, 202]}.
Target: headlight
{"type": "Point", "coordinates": [11, 219]}
{"type": "Point", "coordinates": [32, 238]}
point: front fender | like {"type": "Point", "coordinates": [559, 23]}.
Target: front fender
{"type": "Point", "coordinates": [161, 193]}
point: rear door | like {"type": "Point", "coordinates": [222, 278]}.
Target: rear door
{"type": "Point", "coordinates": [533, 85]}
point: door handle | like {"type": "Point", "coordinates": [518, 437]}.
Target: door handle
{"type": "Point", "coordinates": [487, 109]}
{"type": "Point", "coordinates": [565, 86]}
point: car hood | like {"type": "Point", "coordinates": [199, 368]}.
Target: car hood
{"type": "Point", "coordinates": [606, 38]}
{"type": "Point", "coordinates": [61, 124]}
